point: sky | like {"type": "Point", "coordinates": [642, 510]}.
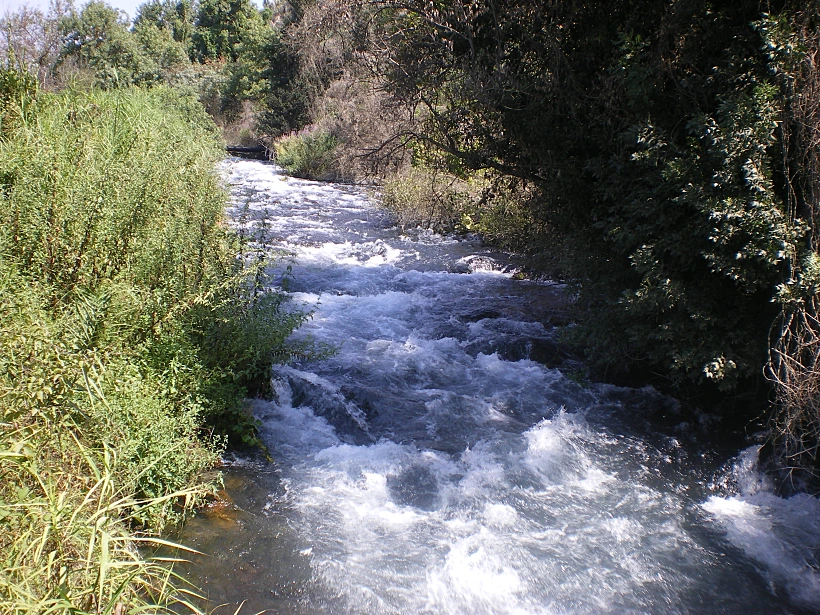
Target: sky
{"type": "Point", "coordinates": [129, 6]}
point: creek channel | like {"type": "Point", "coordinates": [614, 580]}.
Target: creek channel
{"type": "Point", "coordinates": [447, 460]}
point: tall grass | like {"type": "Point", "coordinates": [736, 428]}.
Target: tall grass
{"type": "Point", "coordinates": [69, 543]}
{"type": "Point", "coordinates": [114, 187]}
{"type": "Point", "coordinates": [130, 334]}
{"type": "Point", "coordinates": [310, 153]}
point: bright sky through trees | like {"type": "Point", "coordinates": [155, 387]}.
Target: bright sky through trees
{"type": "Point", "coordinates": [129, 6]}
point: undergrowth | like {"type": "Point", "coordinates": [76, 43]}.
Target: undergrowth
{"type": "Point", "coordinates": [484, 203]}
{"type": "Point", "coordinates": [310, 153]}
{"type": "Point", "coordinates": [423, 198]}
{"type": "Point", "coordinates": [131, 330]}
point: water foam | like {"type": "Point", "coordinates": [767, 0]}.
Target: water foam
{"type": "Point", "coordinates": [781, 534]}
{"type": "Point", "coordinates": [433, 467]}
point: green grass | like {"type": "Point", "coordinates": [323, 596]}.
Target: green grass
{"type": "Point", "coordinates": [310, 153]}
{"type": "Point", "coordinates": [131, 331]}
{"type": "Point", "coordinates": [69, 542]}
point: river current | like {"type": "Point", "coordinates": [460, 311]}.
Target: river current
{"type": "Point", "coordinates": [441, 463]}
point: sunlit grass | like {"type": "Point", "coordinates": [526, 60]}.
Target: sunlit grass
{"type": "Point", "coordinates": [70, 543]}
{"type": "Point", "coordinates": [130, 331]}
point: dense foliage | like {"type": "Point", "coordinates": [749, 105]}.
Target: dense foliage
{"type": "Point", "coordinates": [649, 131]}
{"type": "Point", "coordinates": [130, 334]}
{"type": "Point", "coordinates": [308, 153]}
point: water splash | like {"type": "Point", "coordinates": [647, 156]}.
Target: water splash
{"type": "Point", "coordinates": [440, 463]}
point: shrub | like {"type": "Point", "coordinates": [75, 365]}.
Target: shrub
{"type": "Point", "coordinates": [498, 209]}
{"type": "Point", "coordinates": [309, 153]}
{"type": "Point", "coordinates": [421, 197]}
{"type": "Point", "coordinates": [16, 89]}
{"type": "Point", "coordinates": [90, 452]}
{"type": "Point", "coordinates": [131, 331]}
{"type": "Point", "coordinates": [67, 544]}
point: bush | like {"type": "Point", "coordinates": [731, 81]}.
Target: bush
{"type": "Point", "coordinates": [67, 543]}
{"type": "Point", "coordinates": [131, 332]}
{"type": "Point", "coordinates": [498, 209]}
{"type": "Point", "coordinates": [16, 89]}
{"type": "Point", "coordinates": [309, 153]}
{"type": "Point", "coordinates": [91, 450]}
{"type": "Point", "coordinates": [420, 197]}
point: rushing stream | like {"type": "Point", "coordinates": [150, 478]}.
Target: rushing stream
{"type": "Point", "coordinates": [441, 463]}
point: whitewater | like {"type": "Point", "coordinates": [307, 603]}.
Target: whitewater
{"type": "Point", "coordinates": [449, 458]}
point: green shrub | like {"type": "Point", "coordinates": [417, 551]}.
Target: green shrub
{"type": "Point", "coordinates": [114, 208]}
{"type": "Point", "coordinates": [66, 544]}
{"type": "Point", "coordinates": [114, 187]}
{"type": "Point", "coordinates": [131, 331]}
{"type": "Point", "coordinates": [309, 153]}
{"type": "Point", "coordinates": [498, 209]}
{"type": "Point", "coordinates": [420, 197]}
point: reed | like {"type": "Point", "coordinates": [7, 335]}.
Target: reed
{"type": "Point", "coordinates": [131, 330]}
{"type": "Point", "coordinates": [69, 544]}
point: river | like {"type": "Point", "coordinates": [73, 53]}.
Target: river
{"type": "Point", "coordinates": [441, 463]}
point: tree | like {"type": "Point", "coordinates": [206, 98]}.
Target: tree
{"type": "Point", "coordinates": [30, 40]}
{"type": "Point", "coordinates": [650, 132]}
{"type": "Point", "coordinates": [98, 40]}
{"type": "Point", "coordinates": [174, 16]}
{"type": "Point", "coordinates": [160, 46]}
{"type": "Point", "coordinates": [225, 29]}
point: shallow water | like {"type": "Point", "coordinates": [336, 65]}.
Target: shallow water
{"type": "Point", "coordinates": [441, 462]}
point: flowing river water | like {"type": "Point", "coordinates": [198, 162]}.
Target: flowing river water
{"type": "Point", "coordinates": [440, 462]}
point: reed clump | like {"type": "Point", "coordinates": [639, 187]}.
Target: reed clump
{"type": "Point", "coordinates": [131, 329]}
{"type": "Point", "coordinates": [310, 153]}
{"type": "Point", "coordinates": [427, 199]}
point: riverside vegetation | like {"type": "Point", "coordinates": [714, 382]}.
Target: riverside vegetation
{"type": "Point", "coordinates": [131, 332]}
{"type": "Point", "coordinates": [662, 157]}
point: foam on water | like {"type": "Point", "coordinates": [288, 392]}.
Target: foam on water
{"type": "Point", "coordinates": [433, 467]}
{"type": "Point", "coordinates": [781, 535]}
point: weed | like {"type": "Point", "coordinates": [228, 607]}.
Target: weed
{"type": "Point", "coordinates": [131, 331]}
{"type": "Point", "coordinates": [310, 153]}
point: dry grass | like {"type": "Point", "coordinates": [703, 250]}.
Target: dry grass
{"type": "Point", "coordinates": [794, 368]}
{"type": "Point", "coordinates": [425, 198]}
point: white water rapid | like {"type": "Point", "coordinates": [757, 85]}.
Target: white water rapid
{"type": "Point", "coordinates": [437, 464]}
